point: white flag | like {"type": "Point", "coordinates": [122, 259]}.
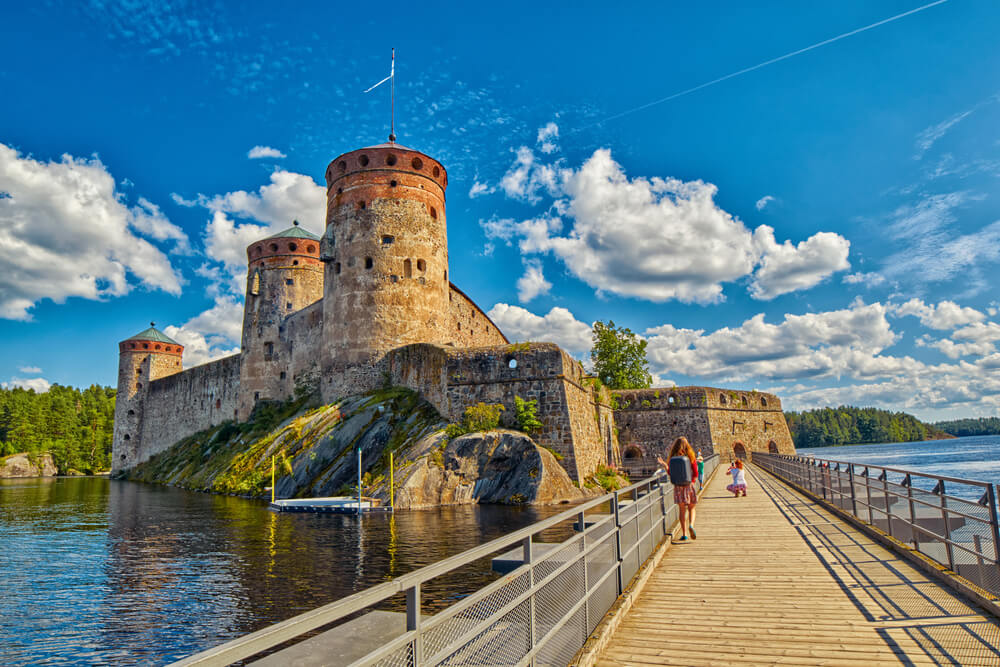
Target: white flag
{"type": "Point", "coordinates": [392, 73]}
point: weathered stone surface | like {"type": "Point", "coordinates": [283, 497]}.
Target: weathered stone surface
{"type": "Point", "coordinates": [501, 466]}
{"type": "Point", "coordinates": [20, 465]}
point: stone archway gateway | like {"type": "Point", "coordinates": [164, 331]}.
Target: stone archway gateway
{"type": "Point", "coordinates": [739, 450]}
{"type": "Point", "coordinates": [772, 447]}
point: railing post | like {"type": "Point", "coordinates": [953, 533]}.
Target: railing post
{"type": "Point", "coordinates": [994, 523]}
{"type": "Point", "coordinates": [977, 544]}
{"type": "Point", "coordinates": [947, 526]}
{"type": "Point", "coordinates": [663, 508]}
{"type": "Point", "coordinates": [413, 621]}
{"type": "Point", "coordinates": [913, 512]}
{"type": "Point", "coordinates": [529, 561]}
{"type": "Point", "coordinates": [618, 541]}
{"type": "Point", "coordinates": [868, 495]}
{"type": "Point", "coordinates": [850, 478]}
{"type": "Point", "coordinates": [888, 511]}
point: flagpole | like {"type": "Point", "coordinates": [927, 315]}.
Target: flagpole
{"type": "Point", "coordinates": [392, 104]}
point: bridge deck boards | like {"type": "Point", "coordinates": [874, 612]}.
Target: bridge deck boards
{"type": "Point", "coordinates": [774, 578]}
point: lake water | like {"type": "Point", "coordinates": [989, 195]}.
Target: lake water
{"type": "Point", "coordinates": [96, 571]}
{"type": "Point", "coordinates": [974, 458]}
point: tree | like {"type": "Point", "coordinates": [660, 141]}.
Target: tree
{"type": "Point", "coordinates": [619, 357]}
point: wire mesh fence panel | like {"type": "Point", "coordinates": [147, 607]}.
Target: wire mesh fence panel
{"type": "Point", "coordinates": [440, 635]}
{"type": "Point", "coordinates": [559, 649]}
{"type": "Point", "coordinates": [401, 658]}
{"type": "Point", "coordinates": [505, 642]}
{"type": "Point", "coordinates": [555, 599]}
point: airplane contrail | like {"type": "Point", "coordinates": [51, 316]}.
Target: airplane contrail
{"type": "Point", "coordinates": [767, 62]}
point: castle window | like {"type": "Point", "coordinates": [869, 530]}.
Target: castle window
{"type": "Point", "coordinates": [672, 399]}
{"type": "Point", "coordinates": [437, 172]}
{"type": "Point", "coordinates": [512, 364]}
{"type": "Point", "coordinates": [132, 345]}
{"type": "Point", "coordinates": [421, 265]}
{"type": "Point", "coordinates": [342, 165]}
{"type": "Point", "coordinates": [386, 240]}
{"type": "Point", "coordinates": [394, 278]}
{"type": "Point", "coordinates": [390, 159]}
{"type": "Point", "coordinates": [283, 375]}
{"type": "Point", "coordinates": [145, 346]}
{"type": "Point", "coordinates": [446, 275]}
{"type": "Point", "coordinates": [131, 412]}
{"type": "Point", "coordinates": [268, 351]}
{"type": "Point", "coordinates": [138, 371]}
{"type": "Point", "coordinates": [295, 262]}
{"type": "Point", "coordinates": [722, 399]}
{"type": "Point", "coordinates": [361, 205]}
{"type": "Point", "coordinates": [363, 160]}
{"type": "Point", "coordinates": [763, 401]}
{"type": "Point", "coordinates": [434, 213]}
{"type": "Point", "coordinates": [336, 268]}
{"type": "Point", "coordinates": [393, 184]}
{"type": "Point", "coordinates": [292, 247]}
{"type": "Point", "coordinates": [744, 400]}
{"type": "Point", "coordinates": [289, 281]}
{"type": "Point", "coordinates": [310, 248]}
{"type": "Point", "coordinates": [288, 305]}
{"type": "Point", "coordinates": [407, 268]}
{"type": "Point", "coordinates": [127, 437]}
{"type": "Point", "coordinates": [369, 263]}
{"type": "Point", "coordinates": [138, 385]}
{"type": "Point", "coordinates": [256, 396]}
{"type": "Point", "coordinates": [421, 280]}
{"type": "Point", "coordinates": [218, 403]}
{"type": "Point", "coordinates": [274, 247]}
{"type": "Point", "coordinates": [417, 163]}
{"type": "Point", "coordinates": [255, 283]}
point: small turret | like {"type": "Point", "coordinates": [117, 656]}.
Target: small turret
{"type": "Point", "coordinates": [142, 358]}
{"type": "Point", "coordinates": [284, 275]}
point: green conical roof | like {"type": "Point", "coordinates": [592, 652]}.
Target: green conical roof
{"type": "Point", "coordinates": [154, 334]}
{"type": "Point", "coordinates": [295, 232]}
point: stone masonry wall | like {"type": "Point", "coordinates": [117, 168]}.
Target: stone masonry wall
{"type": "Point", "coordinates": [649, 420]}
{"type": "Point", "coordinates": [301, 337]}
{"type": "Point", "coordinates": [471, 326]}
{"type": "Point", "coordinates": [179, 405]}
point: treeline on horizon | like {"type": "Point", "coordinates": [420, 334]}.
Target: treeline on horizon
{"type": "Point", "coordinates": [848, 425]}
{"type": "Point", "coordinates": [971, 426]}
{"type": "Point", "coordinates": [74, 426]}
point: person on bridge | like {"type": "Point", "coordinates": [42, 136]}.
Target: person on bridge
{"type": "Point", "coordinates": [739, 485]}
{"type": "Point", "coordinates": [701, 471]}
{"type": "Point", "coordinates": [684, 494]}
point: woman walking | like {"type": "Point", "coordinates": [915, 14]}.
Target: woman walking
{"type": "Point", "coordinates": [684, 493]}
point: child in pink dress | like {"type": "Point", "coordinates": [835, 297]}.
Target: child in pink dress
{"type": "Point", "coordinates": [739, 485]}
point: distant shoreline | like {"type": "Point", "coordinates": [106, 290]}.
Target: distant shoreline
{"type": "Point", "coordinates": [948, 436]}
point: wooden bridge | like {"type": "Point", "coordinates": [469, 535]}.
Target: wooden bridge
{"type": "Point", "coordinates": [774, 578]}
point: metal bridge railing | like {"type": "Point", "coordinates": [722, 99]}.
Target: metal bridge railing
{"type": "Point", "coordinates": [915, 508]}
{"type": "Point", "coordinates": [539, 614]}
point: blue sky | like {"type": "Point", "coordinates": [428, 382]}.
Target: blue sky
{"type": "Point", "coordinates": [826, 227]}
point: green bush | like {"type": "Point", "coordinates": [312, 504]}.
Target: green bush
{"type": "Point", "coordinates": [526, 413]}
{"type": "Point", "coordinates": [608, 479]}
{"type": "Point", "coordinates": [477, 418]}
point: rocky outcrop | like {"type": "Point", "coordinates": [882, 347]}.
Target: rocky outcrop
{"type": "Point", "coordinates": [23, 465]}
{"type": "Point", "coordinates": [315, 451]}
{"type": "Point", "coordinates": [500, 466]}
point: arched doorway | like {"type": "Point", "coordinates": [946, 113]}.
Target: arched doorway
{"type": "Point", "coordinates": [633, 452]}
{"type": "Point", "coordinates": [739, 450]}
{"type": "Point", "coordinates": [772, 447]}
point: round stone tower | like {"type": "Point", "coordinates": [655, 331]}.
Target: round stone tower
{"type": "Point", "coordinates": [386, 254]}
{"type": "Point", "coordinates": [284, 275]}
{"type": "Point", "coordinates": [144, 357]}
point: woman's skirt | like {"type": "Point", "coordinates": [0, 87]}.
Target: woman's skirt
{"type": "Point", "coordinates": [737, 488]}
{"type": "Point", "coordinates": [685, 495]}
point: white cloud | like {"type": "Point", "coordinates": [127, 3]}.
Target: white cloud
{"type": "Point", "coordinates": [941, 316]}
{"type": "Point", "coordinates": [547, 136]}
{"type": "Point", "coordinates": [527, 177]}
{"type": "Point", "coordinates": [212, 334]}
{"type": "Point", "coordinates": [30, 370]}
{"type": "Point", "coordinates": [763, 202]}
{"type": "Point", "coordinates": [787, 268]}
{"type": "Point", "coordinates": [930, 135]}
{"type": "Point", "coordinates": [558, 326]}
{"type": "Point", "coordinates": [479, 189]}
{"type": "Point", "coordinates": [866, 279]}
{"type": "Point", "coordinates": [40, 385]}
{"type": "Point", "coordinates": [258, 152]}
{"type": "Point", "coordinates": [654, 239]}
{"type": "Point", "coordinates": [65, 232]}
{"type": "Point", "coordinates": [533, 282]}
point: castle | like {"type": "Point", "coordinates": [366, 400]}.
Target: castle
{"type": "Point", "coordinates": [369, 304]}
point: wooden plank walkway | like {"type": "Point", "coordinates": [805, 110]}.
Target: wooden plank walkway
{"type": "Point", "coordinates": [773, 578]}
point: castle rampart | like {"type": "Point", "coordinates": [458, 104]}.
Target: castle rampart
{"type": "Point", "coordinates": [473, 327]}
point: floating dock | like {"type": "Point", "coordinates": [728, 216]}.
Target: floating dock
{"type": "Point", "coordinates": [331, 505]}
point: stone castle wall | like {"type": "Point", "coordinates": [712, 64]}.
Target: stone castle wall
{"type": "Point", "coordinates": [471, 327]}
{"type": "Point", "coordinates": [301, 336]}
{"type": "Point", "coordinates": [649, 420]}
{"type": "Point", "coordinates": [575, 424]}
{"type": "Point", "coordinates": [184, 403]}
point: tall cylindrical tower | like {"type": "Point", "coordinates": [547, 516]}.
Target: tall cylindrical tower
{"type": "Point", "coordinates": [144, 357]}
{"type": "Point", "coordinates": [284, 275]}
{"type": "Point", "coordinates": [386, 254]}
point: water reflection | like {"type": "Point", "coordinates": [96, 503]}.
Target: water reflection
{"type": "Point", "coordinates": [109, 572]}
